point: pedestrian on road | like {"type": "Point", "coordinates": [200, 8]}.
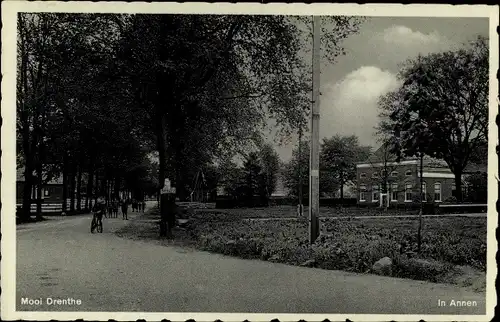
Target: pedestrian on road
{"type": "Point", "coordinates": [115, 208]}
{"type": "Point", "coordinates": [143, 205]}
{"type": "Point", "coordinates": [124, 210]}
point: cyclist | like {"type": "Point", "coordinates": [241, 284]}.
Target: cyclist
{"type": "Point", "coordinates": [99, 210]}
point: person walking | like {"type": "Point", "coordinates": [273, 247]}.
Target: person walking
{"type": "Point", "coordinates": [124, 210]}
{"type": "Point", "coordinates": [143, 203]}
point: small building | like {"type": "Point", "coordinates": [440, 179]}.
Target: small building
{"type": "Point", "coordinates": [52, 191]}
{"type": "Point", "coordinates": [382, 181]}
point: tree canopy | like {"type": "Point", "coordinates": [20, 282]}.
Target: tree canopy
{"type": "Point", "coordinates": [97, 93]}
{"type": "Point", "coordinates": [441, 108]}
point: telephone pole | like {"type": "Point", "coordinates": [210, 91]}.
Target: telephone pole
{"type": "Point", "coordinates": [314, 159]}
{"type": "Point", "coordinates": [300, 207]}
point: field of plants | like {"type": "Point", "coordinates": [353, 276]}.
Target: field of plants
{"type": "Point", "coordinates": [350, 244]}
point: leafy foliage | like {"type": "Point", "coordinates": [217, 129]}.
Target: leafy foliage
{"type": "Point", "coordinates": [441, 107]}
{"type": "Point", "coordinates": [338, 158]}
{"type": "Point", "coordinates": [96, 97]}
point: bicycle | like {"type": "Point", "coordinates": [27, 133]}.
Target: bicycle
{"type": "Point", "coordinates": [96, 222]}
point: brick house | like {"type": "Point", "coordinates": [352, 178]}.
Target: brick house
{"type": "Point", "coordinates": [383, 181]}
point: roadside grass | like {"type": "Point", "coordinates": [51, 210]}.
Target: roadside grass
{"type": "Point", "coordinates": [453, 248]}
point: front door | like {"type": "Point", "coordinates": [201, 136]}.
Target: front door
{"type": "Point", "coordinates": [383, 200]}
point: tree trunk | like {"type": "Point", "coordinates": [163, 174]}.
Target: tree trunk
{"type": "Point", "coordinates": [65, 183]}
{"type": "Point", "coordinates": [39, 170]}
{"type": "Point", "coordinates": [458, 186]}
{"type": "Point", "coordinates": [90, 183]}
{"type": "Point", "coordinates": [342, 194]}
{"type": "Point", "coordinates": [72, 188]}
{"type": "Point", "coordinates": [117, 188]}
{"type": "Point", "coordinates": [96, 186]}
{"type": "Point", "coordinates": [27, 190]}
{"type": "Point", "coordinates": [79, 190]}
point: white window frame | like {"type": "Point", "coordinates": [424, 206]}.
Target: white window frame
{"type": "Point", "coordinates": [408, 186]}
{"type": "Point", "coordinates": [362, 193]}
{"type": "Point", "coordinates": [46, 192]}
{"type": "Point", "coordinates": [394, 174]}
{"type": "Point", "coordinates": [438, 184]}
{"type": "Point", "coordinates": [362, 175]}
{"type": "Point", "coordinates": [375, 175]}
{"type": "Point", "coordinates": [408, 173]}
{"type": "Point", "coordinates": [424, 191]}
{"type": "Point", "coordinates": [375, 190]}
{"type": "Point", "coordinates": [394, 189]}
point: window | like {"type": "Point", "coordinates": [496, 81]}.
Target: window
{"type": "Point", "coordinates": [424, 192]}
{"type": "Point", "coordinates": [394, 192]}
{"type": "Point", "coordinates": [408, 173]}
{"type": "Point", "coordinates": [394, 174]}
{"type": "Point", "coordinates": [375, 175]}
{"type": "Point", "coordinates": [46, 192]}
{"type": "Point", "coordinates": [362, 175]}
{"type": "Point", "coordinates": [375, 193]}
{"type": "Point", "coordinates": [408, 193]}
{"type": "Point", "coordinates": [362, 192]}
{"type": "Point", "coordinates": [383, 173]}
{"type": "Point", "coordinates": [437, 192]}
{"type": "Point", "coordinates": [453, 190]}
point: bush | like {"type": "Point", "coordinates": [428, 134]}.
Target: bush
{"type": "Point", "coordinates": [420, 269]}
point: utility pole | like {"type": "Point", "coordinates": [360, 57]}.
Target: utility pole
{"type": "Point", "coordinates": [420, 213]}
{"type": "Point", "coordinates": [300, 207]}
{"type": "Point", "coordinates": [314, 159]}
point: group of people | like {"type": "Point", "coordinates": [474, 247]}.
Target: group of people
{"type": "Point", "coordinates": [111, 209]}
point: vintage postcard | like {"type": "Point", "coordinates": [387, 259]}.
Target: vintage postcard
{"type": "Point", "coordinates": [248, 161]}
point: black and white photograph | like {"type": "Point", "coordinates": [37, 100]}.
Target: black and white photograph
{"type": "Point", "coordinates": [216, 161]}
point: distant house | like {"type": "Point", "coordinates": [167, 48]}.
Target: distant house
{"type": "Point", "coordinates": [52, 193]}
{"type": "Point", "coordinates": [383, 181]}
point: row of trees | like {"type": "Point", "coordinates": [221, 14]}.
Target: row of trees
{"type": "Point", "coordinates": [256, 178]}
{"type": "Point", "coordinates": [69, 122]}
{"type": "Point", "coordinates": [98, 92]}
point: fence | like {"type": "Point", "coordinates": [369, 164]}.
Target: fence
{"type": "Point", "coordinates": [53, 207]}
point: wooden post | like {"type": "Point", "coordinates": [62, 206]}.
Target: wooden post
{"type": "Point", "coordinates": [315, 115]}
{"type": "Point", "coordinates": [420, 213]}
{"type": "Point", "coordinates": [300, 207]}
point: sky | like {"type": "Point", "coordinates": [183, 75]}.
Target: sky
{"type": "Point", "coordinates": [351, 87]}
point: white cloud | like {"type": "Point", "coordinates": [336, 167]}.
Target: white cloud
{"type": "Point", "coordinates": [401, 35]}
{"type": "Point", "coordinates": [392, 46]}
{"type": "Point", "coordinates": [350, 106]}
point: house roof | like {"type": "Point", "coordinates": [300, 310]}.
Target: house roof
{"type": "Point", "coordinates": [20, 177]}
{"type": "Point", "coordinates": [382, 154]}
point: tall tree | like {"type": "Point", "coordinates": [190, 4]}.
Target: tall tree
{"type": "Point", "coordinates": [233, 67]}
{"type": "Point", "coordinates": [298, 165]}
{"type": "Point", "coordinates": [441, 109]}
{"type": "Point", "coordinates": [338, 158]}
{"type": "Point", "coordinates": [270, 163]}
